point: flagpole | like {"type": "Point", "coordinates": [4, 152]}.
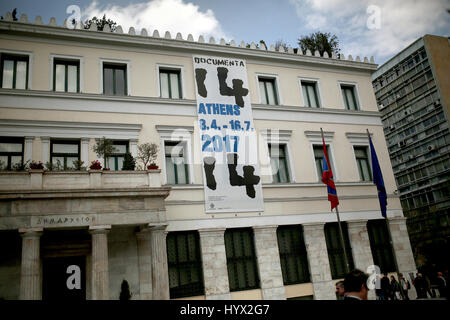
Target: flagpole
{"type": "Point", "coordinates": [391, 243]}
{"type": "Point", "coordinates": [341, 234]}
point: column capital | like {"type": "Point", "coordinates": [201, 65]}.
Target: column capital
{"type": "Point", "coordinates": [31, 232]}
{"type": "Point", "coordinates": [85, 139]}
{"type": "Point", "coordinates": [356, 223]}
{"type": "Point", "coordinates": [211, 230]}
{"type": "Point", "coordinates": [270, 228]}
{"type": "Point", "coordinates": [133, 140]}
{"type": "Point", "coordinates": [397, 219]}
{"type": "Point", "coordinates": [103, 229]}
{"type": "Point", "coordinates": [45, 139]}
{"type": "Point", "coordinates": [157, 226]}
{"type": "Point", "coordinates": [29, 138]}
{"type": "Point", "coordinates": [313, 225]}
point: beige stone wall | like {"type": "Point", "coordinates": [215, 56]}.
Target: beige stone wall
{"type": "Point", "coordinates": [143, 76]}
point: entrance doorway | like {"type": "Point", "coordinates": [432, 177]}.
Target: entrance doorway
{"type": "Point", "coordinates": [56, 273]}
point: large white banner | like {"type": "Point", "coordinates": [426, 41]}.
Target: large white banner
{"type": "Point", "coordinates": [232, 181]}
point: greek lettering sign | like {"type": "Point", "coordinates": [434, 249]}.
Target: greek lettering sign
{"type": "Point", "coordinates": [232, 181]}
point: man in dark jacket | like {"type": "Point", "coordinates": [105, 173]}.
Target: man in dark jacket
{"type": "Point", "coordinates": [355, 284]}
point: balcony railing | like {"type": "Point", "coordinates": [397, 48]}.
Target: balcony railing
{"type": "Point", "coordinates": [65, 180]}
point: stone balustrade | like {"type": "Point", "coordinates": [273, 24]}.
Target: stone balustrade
{"type": "Point", "coordinates": [91, 179]}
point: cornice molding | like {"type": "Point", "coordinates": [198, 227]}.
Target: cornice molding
{"type": "Point", "coordinates": [40, 31]}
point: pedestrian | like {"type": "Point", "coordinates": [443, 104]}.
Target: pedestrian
{"type": "Point", "coordinates": [395, 289]}
{"type": "Point", "coordinates": [340, 290]}
{"type": "Point", "coordinates": [385, 287]}
{"type": "Point", "coordinates": [421, 286]}
{"type": "Point", "coordinates": [355, 285]}
{"type": "Point", "coordinates": [405, 285]}
{"type": "Point", "coordinates": [442, 285]}
{"type": "Point", "coordinates": [429, 289]}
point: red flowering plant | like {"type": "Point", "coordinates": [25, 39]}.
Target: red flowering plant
{"type": "Point", "coordinates": [34, 165]}
{"type": "Point", "coordinates": [95, 165]}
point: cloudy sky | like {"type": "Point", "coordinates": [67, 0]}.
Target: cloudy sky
{"type": "Point", "coordinates": [364, 27]}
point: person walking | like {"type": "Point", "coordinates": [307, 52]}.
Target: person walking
{"type": "Point", "coordinates": [405, 285]}
{"type": "Point", "coordinates": [385, 287]}
{"type": "Point", "coordinates": [395, 289]}
{"type": "Point", "coordinates": [441, 285]}
{"type": "Point", "coordinates": [421, 286]}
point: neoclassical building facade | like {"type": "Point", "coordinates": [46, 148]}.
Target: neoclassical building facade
{"type": "Point", "coordinates": [78, 234]}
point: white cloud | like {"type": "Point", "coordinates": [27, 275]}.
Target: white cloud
{"type": "Point", "coordinates": [402, 22]}
{"type": "Point", "coordinates": [165, 15]}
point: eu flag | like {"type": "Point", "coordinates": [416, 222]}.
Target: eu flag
{"type": "Point", "coordinates": [378, 179]}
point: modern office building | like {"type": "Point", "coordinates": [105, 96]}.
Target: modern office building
{"type": "Point", "coordinates": [67, 233]}
{"type": "Point", "coordinates": [413, 94]}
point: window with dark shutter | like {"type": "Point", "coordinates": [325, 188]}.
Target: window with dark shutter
{"type": "Point", "coordinates": [185, 265]}
{"type": "Point", "coordinates": [293, 255]}
{"type": "Point", "coordinates": [241, 259]}
{"type": "Point", "coordinates": [380, 246]}
{"type": "Point", "coordinates": [336, 251]}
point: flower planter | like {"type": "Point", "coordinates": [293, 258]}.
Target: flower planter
{"type": "Point", "coordinates": [152, 167]}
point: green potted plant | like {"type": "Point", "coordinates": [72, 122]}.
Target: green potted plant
{"type": "Point", "coordinates": [34, 165]}
{"type": "Point", "coordinates": [129, 163]}
{"type": "Point", "coordinates": [147, 154]}
{"type": "Point", "coordinates": [78, 165]}
{"type": "Point", "coordinates": [104, 148]}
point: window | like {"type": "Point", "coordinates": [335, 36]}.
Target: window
{"type": "Point", "coordinates": [318, 157]}
{"type": "Point", "coordinates": [14, 71]}
{"type": "Point", "coordinates": [185, 265]}
{"type": "Point", "coordinates": [64, 153]}
{"type": "Point", "coordinates": [115, 161]}
{"type": "Point", "coordinates": [267, 91]}
{"type": "Point", "coordinates": [241, 259]}
{"type": "Point", "coordinates": [278, 162]}
{"type": "Point", "coordinates": [310, 96]}
{"type": "Point", "coordinates": [170, 84]}
{"type": "Point", "coordinates": [66, 75]}
{"type": "Point", "coordinates": [114, 79]}
{"type": "Point", "coordinates": [349, 96]}
{"type": "Point", "coordinates": [176, 166]}
{"type": "Point", "coordinates": [335, 250]}
{"type": "Point", "coordinates": [380, 246]}
{"type": "Point", "coordinates": [293, 256]}
{"type": "Point", "coordinates": [11, 152]}
{"type": "Point", "coordinates": [362, 160]}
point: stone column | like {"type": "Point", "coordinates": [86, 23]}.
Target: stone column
{"type": "Point", "coordinates": [145, 263]}
{"type": "Point", "coordinates": [84, 152]}
{"type": "Point", "coordinates": [214, 260]}
{"type": "Point", "coordinates": [133, 148]}
{"type": "Point", "coordinates": [45, 142]}
{"type": "Point", "coordinates": [160, 269]}
{"type": "Point", "coordinates": [360, 243]}
{"type": "Point", "coordinates": [30, 276]}
{"type": "Point", "coordinates": [271, 277]}
{"type": "Point", "coordinates": [402, 249]}
{"type": "Point", "coordinates": [28, 149]}
{"type": "Point", "coordinates": [319, 264]}
{"type": "Point", "coordinates": [100, 268]}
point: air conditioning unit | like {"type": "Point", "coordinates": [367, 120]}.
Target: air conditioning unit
{"type": "Point", "coordinates": [431, 147]}
{"type": "Point", "coordinates": [391, 127]}
{"type": "Point", "coordinates": [401, 143]}
{"type": "Point", "coordinates": [437, 102]}
{"type": "Point", "coordinates": [410, 157]}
